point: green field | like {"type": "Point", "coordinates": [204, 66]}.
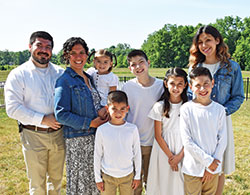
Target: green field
{"type": "Point", "coordinates": [12, 168]}
{"type": "Point", "coordinates": [121, 72]}
{"type": "Point", "coordinates": [13, 174]}
{"type": "Point", "coordinates": [124, 72]}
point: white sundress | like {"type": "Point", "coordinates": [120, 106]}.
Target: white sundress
{"type": "Point", "coordinates": [161, 179]}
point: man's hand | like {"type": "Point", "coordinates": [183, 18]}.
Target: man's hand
{"type": "Point", "coordinates": [50, 120]}
{"type": "Point", "coordinates": [100, 186]}
{"type": "Point", "coordinates": [135, 184]}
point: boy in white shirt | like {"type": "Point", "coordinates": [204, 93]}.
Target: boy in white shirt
{"type": "Point", "coordinates": [117, 156]}
{"type": "Point", "coordinates": [142, 91]}
{"type": "Point", "coordinates": [204, 135]}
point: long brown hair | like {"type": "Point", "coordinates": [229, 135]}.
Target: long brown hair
{"type": "Point", "coordinates": [197, 57]}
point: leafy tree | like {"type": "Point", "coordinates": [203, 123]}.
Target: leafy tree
{"type": "Point", "coordinates": [246, 24]}
{"type": "Point", "coordinates": [23, 56]}
{"type": "Point", "coordinates": [121, 51]}
{"type": "Point", "coordinates": [169, 46]}
{"type": "Point", "coordinates": [13, 58]}
{"type": "Point", "coordinates": [6, 58]}
{"type": "Point", "coordinates": [157, 47]}
{"type": "Point", "coordinates": [242, 51]}
{"type": "Point", "coordinates": [230, 29]}
{"type": "Point", "coordinates": [59, 57]}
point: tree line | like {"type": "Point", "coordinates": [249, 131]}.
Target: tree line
{"type": "Point", "coordinates": [168, 46]}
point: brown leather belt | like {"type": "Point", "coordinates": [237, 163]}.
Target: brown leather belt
{"type": "Point", "coordinates": [35, 128]}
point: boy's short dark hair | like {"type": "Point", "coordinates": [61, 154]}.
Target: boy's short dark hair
{"type": "Point", "coordinates": [43, 35]}
{"type": "Point", "coordinates": [117, 96]}
{"type": "Point", "coordinates": [200, 71]}
{"type": "Point", "coordinates": [136, 52]}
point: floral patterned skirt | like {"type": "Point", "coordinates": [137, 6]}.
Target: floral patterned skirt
{"type": "Point", "coordinates": [80, 166]}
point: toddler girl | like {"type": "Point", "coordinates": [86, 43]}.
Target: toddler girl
{"type": "Point", "coordinates": [104, 79]}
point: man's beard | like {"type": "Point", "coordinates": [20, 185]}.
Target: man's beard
{"type": "Point", "coordinates": [42, 60]}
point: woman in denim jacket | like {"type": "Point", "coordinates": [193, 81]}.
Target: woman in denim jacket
{"type": "Point", "coordinates": [209, 50]}
{"type": "Point", "coordinates": [77, 103]}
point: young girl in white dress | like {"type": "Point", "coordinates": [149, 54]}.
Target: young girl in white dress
{"type": "Point", "coordinates": [165, 176]}
{"type": "Point", "coordinates": [105, 80]}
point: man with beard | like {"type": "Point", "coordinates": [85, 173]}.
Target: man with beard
{"type": "Point", "coordinates": [29, 98]}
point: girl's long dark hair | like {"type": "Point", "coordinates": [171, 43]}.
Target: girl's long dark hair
{"type": "Point", "coordinates": [176, 72]}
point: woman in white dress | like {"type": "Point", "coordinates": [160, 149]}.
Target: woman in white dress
{"type": "Point", "coordinates": [165, 176]}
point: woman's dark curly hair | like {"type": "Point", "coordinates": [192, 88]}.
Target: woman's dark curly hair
{"type": "Point", "coordinates": [69, 44]}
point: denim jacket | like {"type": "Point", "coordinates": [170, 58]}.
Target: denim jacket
{"type": "Point", "coordinates": [74, 107]}
{"type": "Point", "coordinates": [228, 87]}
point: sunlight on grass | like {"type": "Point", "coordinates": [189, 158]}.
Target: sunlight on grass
{"type": "Point", "coordinates": [13, 173]}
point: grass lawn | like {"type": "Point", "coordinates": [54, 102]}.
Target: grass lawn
{"type": "Point", "coordinates": [12, 168]}
{"type": "Point", "coordinates": [13, 174]}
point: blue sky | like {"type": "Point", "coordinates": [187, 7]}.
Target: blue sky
{"type": "Point", "coordinates": [102, 23]}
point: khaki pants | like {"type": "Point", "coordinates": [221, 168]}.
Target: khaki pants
{"type": "Point", "coordinates": [44, 155]}
{"type": "Point", "coordinates": [124, 184]}
{"type": "Point", "coordinates": [146, 152]}
{"type": "Point", "coordinates": [194, 186]}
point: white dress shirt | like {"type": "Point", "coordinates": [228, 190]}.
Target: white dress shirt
{"type": "Point", "coordinates": [117, 151]}
{"type": "Point", "coordinates": [204, 136]}
{"type": "Point", "coordinates": [29, 92]}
